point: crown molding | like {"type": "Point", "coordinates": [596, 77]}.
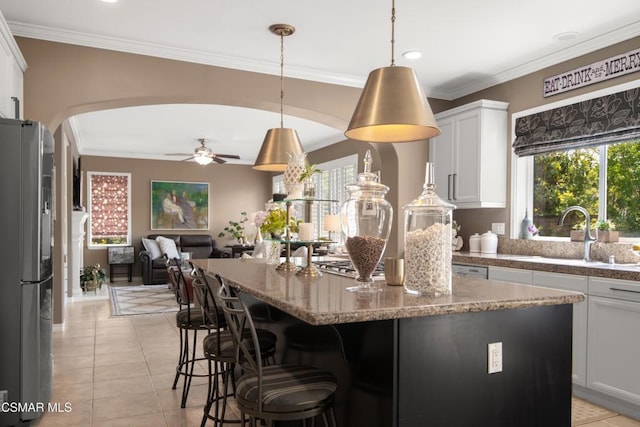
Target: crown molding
{"type": "Point", "coordinates": [178, 54]}
{"type": "Point", "coordinates": [246, 64]}
{"type": "Point", "coordinates": [570, 52]}
{"type": "Point", "coordinates": [5, 33]}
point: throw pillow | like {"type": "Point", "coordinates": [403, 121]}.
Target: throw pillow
{"type": "Point", "coordinates": [168, 247]}
{"type": "Point", "coordinates": [152, 247]}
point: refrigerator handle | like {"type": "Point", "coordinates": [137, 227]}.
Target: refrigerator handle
{"type": "Point", "coordinates": [16, 104]}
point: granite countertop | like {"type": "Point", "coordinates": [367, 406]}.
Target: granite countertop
{"type": "Point", "coordinates": [325, 300]}
{"type": "Point", "coordinates": [555, 265]}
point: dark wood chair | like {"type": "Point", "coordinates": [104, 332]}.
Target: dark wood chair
{"type": "Point", "coordinates": [277, 392]}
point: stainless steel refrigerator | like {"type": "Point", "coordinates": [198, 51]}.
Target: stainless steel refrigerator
{"type": "Point", "coordinates": [26, 270]}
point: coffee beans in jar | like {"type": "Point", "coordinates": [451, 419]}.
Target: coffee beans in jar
{"type": "Point", "coordinates": [365, 253]}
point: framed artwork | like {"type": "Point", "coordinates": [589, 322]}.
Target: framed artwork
{"type": "Point", "coordinates": [179, 205]}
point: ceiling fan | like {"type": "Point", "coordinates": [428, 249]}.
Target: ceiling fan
{"type": "Point", "coordinates": [203, 154]}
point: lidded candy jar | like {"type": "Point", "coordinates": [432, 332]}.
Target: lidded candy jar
{"type": "Point", "coordinates": [427, 242]}
{"type": "Point", "coordinates": [366, 224]}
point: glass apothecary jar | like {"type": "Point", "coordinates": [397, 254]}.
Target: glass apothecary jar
{"type": "Point", "coordinates": [366, 224]}
{"type": "Point", "coordinates": [427, 242]}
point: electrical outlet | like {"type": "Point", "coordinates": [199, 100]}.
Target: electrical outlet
{"type": "Point", "coordinates": [497, 227]}
{"type": "Point", "coordinates": [495, 357]}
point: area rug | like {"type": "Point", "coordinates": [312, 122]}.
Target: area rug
{"type": "Point", "coordinates": [144, 299]}
{"type": "Point", "coordinates": [583, 412]}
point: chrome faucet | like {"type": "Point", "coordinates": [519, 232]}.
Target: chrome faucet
{"type": "Point", "coordinates": [588, 238]}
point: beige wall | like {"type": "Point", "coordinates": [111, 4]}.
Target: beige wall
{"type": "Point", "coordinates": [525, 93]}
{"type": "Point", "coordinates": [64, 80]}
{"type": "Point", "coordinates": [232, 189]}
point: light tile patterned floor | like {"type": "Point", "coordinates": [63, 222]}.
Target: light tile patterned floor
{"type": "Point", "coordinates": [583, 412]}
{"type": "Point", "coordinates": [117, 371]}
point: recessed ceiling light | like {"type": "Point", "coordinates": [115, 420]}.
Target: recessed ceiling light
{"type": "Point", "coordinates": [412, 54]}
{"type": "Point", "coordinates": [566, 36]}
{"type": "Point", "coordinates": [110, 1]}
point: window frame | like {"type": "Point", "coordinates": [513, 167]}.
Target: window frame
{"type": "Point", "coordinates": [90, 243]}
{"type": "Point", "coordinates": [317, 214]}
{"type": "Point", "coordinates": [522, 167]}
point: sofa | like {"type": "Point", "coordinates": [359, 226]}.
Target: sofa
{"type": "Point", "coordinates": [154, 268]}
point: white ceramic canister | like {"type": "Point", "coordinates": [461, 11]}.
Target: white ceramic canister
{"type": "Point", "coordinates": [489, 243]}
{"type": "Point", "coordinates": [474, 243]}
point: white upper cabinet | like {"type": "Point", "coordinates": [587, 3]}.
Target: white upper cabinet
{"type": "Point", "coordinates": [12, 67]}
{"type": "Point", "coordinates": [470, 155]}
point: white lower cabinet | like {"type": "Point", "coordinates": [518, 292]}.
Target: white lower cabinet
{"type": "Point", "coordinates": [576, 283]}
{"type": "Point", "coordinates": [613, 357]}
{"type": "Point", "coordinates": [606, 329]}
{"type": "Point", "coordinates": [513, 275]}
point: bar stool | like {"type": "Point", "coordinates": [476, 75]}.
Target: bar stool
{"type": "Point", "coordinates": [187, 319]}
{"type": "Point", "coordinates": [220, 350]}
{"type": "Point", "coordinates": [278, 392]}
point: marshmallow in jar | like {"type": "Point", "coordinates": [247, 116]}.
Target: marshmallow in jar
{"type": "Point", "coordinates": [489, 243]}
{"type": "Point", "coordinates": [427, 242]}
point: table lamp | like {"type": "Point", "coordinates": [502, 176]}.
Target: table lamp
{"type": "Point", "coordinates": [331, 223]}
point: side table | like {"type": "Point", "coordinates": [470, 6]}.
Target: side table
{"type": "Point", "coordinates": [120, 256]}
{"type": "Point", "coordinates": [239, 249]}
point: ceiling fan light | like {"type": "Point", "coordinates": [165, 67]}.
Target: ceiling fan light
{"type": "Point", "coordinates": [203, 160]}
{"type": "Point", "coordinates": [392, 108]}
{"type": "Point", "coordinates": [203, 151]}
{"type": "Point", "coordinates": [273, 155]}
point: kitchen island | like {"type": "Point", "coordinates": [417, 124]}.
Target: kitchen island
{"type": "Point", "coordinates": [408, 360]}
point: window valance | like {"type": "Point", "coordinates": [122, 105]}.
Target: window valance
{"type": "Point", "coordinates": [603, 120]}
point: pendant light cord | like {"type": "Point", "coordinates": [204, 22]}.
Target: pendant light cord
{"type": "Point", "coordinates": [281, 78]}
{"type": "Point", "coordinates": [393, 32]}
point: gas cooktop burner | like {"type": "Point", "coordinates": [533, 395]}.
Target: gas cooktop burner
{"type": "Point", "coordinates": [345, 268]}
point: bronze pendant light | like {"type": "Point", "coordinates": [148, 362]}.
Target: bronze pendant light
{"type": "Point", "coordinates": [279, 142]}
{"type": "Point", "coordinates": [392, 106]}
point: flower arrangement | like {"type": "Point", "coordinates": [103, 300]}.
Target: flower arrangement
{"type": "Point", "coordinates": [274, 220]}
{"type": "Point", "coordinates": [532, 229]}
{"type": "Point", "coordinates": [92, 277]}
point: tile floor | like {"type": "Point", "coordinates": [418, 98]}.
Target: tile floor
{"type": "Point", "coordinates": [118, 371]}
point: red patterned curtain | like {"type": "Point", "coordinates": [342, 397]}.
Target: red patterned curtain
{"type": "Point", "coordinates": [109, 208]}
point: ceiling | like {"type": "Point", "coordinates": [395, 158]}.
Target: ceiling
{"type": "Point", "coordinates": [467, 45]}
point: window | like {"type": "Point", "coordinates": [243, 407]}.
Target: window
{"type": "Point", "coordinates": [330, 185]}
{"type": "Point", "coordinates": [603, 179]}
{"type": "Point", "coordinates": [596, 178]}
{"type": "Point", "coordinates": [109, 207]}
